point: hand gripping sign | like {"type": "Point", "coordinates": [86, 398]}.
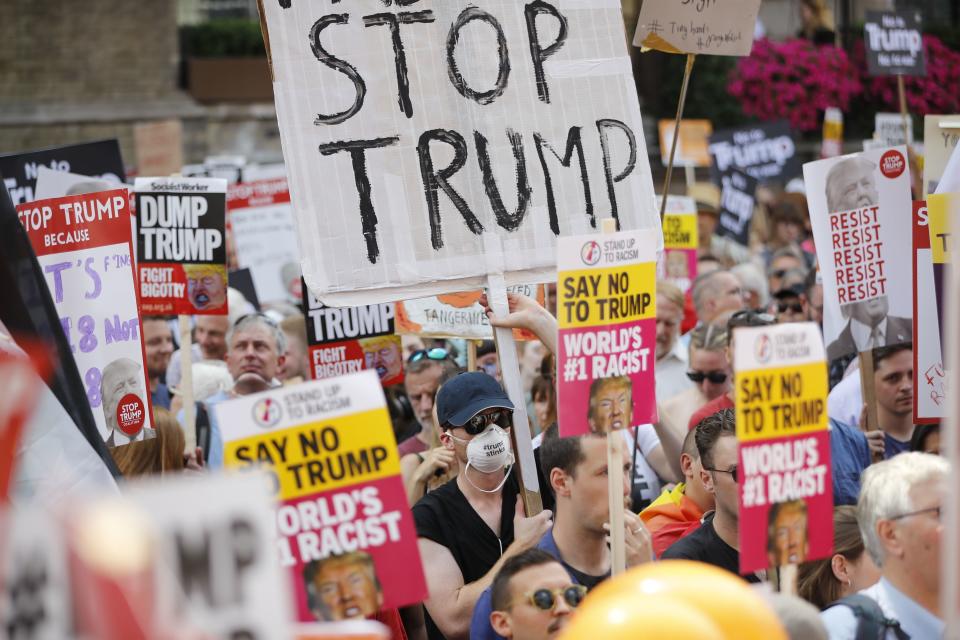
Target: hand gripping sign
{"type": "Point", "coordinates": [181, 252]}
{"type": "Point", "coordinates": [343, 513]}
{"type": "Point", "coordinates": [606, 307]}
{"type": "Point", "coordinates": [518, 119]}
{"type": "Point", "coordinates": [786, 495]}
{"type": "Point", "coordinates": [83, 244]}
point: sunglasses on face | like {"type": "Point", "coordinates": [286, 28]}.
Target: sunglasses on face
{"type": "Point", "coordinates": [546, 599]}
{"type": "Point", "coordinates": [437, 353]}
{"type": "Point", "coordinates": [732, 471]}
{"type": "Point", "coordinates": [716, 377]}
{"type": "Point", "coordinates": [795, 307]}
{"type": "Point", "coordinates": [479, 423]}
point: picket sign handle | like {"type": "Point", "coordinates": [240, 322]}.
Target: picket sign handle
{"type": "Point", "coordinates": [690, 174]}
{"type": "Point", "coordinates": [676, 130]}
{"type": "Point", "coordinates": [869, 392]}
{"type": "Point", "coordinates": [784, 579]}
{"type": "Point", "coordinates": [471, 355]}
{"type": "Point", "coordinates": [950, 592]}
{"type": "Point", "coordinates": [510, 373]}
{"type": "Point", "coordinates": [618, 550]}
{"type": "Point", "coordinates": [186, 385]}
{"type": "Point", "coordinates": [901, 90]}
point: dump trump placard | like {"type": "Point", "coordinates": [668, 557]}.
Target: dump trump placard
{"type": "Point", "coordinates": [329, 448]}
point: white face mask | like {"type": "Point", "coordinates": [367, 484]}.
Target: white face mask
{"type": "Point", "coordinates": [488, 453]}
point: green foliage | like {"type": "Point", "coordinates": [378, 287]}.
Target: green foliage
{"type": "Point", "coordinates": [220, 38]}
{"type": "Point", "coordinates": [707, 95]}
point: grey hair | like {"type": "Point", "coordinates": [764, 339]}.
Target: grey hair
{"type": "Point", "coordinates": [702, 290]}
{"type": "Point", "coordinates": [885, 493]}
{"type": "Point", "coordinates": [259, 319]}
{"type": "Point", "coordinates": [752, 279]}
{"type": "Point", "coordinates": [840, 171]}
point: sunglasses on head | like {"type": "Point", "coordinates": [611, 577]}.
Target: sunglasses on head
{"type": "Point", "coordinates": [479, 423]}
{"type": "Point", "coordinates": [546, 599]}
{"type": "Point", "coordinates": [795, 307]}
{"type": "Point", "coordinates": [257, 314]}
{"type": "Point", "coordinates": [437, 353]}
{"type": "Point", "coordinates": [750, 318]}
{"type": "Point", "coordinates": [716, 377]}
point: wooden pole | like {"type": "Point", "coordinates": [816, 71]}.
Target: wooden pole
{"type": "Point", "coordinates": [618, 553]}
{"type": "Point", "coordinates": [186, 385]}
{"type": "Point", "coordinates": [903, 110]}
{"type": "Point", "coordinates": [690, 174]}
{"type": "Point", "coordinates": [676, 129]}
{"type": "Point", "coordinates": [869, 391]}
{"type": "Point", "coordinates": [471, 355]}
{"type": "Point", "coordinates": [510, 372]}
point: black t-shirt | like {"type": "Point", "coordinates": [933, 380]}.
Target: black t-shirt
{"type": "Point", "coordinates": [445, 517]}
{"type": "Point", "coordinates": [704, 545]}
{"type": "Point", "coordinates": [585, 579]}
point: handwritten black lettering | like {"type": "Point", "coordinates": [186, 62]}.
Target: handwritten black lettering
{"type": "Point", "coordinates": [336, 64]}
{"type": "Point", "coordinates": [460, 84]}
{"type": "Point", "coordinates": [574, 142]}
{"type": "Point", "coordinates": [509, 221]}
{"type": "Point", "coordinates": [538, 53]}
{"type": "Point", "coordinates": [433, 179]}
{"type": "Point", "coordinates": [399, 55]}
{"type": "Point", "coordinates": [604, 125]}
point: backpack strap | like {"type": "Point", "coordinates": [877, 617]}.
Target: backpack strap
{"type": "Point", "coordinates": [872, 624]}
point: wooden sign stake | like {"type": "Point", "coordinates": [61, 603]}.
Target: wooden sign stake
{"type": "Point", "coordinates": [186, 385]}
{"type": "Point", "coordinates": [903, 110]}
{"type": "Point", "coordinates": [510, 373]}
{"type": "Point", "coordinates": [869, 391]}
{"type": "Point", "coordinates": [676, 129]}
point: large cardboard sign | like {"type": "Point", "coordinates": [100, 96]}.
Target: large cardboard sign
{"type": "Point", "coordinates": [261, 220]}
{"type": "Point", "coordinates": [456, 315]}
{"type": "Point", "coordinates": [738, 198]}
{"type": "Point", "coordinates": [95, 159]}
{"type": "Point", "coordinates": [680, 242]}
{"type": "Point", "coordinates": [606, 308]}
{"type": "Point", "coordinates": [83, 243]}
{"type": "Point", "coordinates": [692, 146]}
{"type": "Point", "coordinates": [343, 516]}
{"type": "Point", "coordinates": [940, 137]}
{"type": "Point", "coordinates": [894, 41]}
{"type": "Point", "coordinates": [698, 26]}
{"type": "Point", "coordinates": [181, 250]}
{"type": "Point", "coordinates": [786, 493]}
{"type": "Point", "coordinates": [767, 152]}
{"type": "Point", "coordinates": [344, 340]}
{"type": "Point", "coordinates": [860, 210]}
{"type": "Point", "coordinates": [929, 379]}
{"type": "Point", "coordinates": [210, 571]}
{"type": "Point", "coordinates": [468, 155]}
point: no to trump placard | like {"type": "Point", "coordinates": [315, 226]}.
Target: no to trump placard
{"type": "Point", "coordinates": [680, 242]}
{"type": "Point", "coordinates": [411, 132]}
{"type": "Point", "coordinates": [83, 244]}
{"type": "Point", "coordinates": [860, 210]}
{"type": "Point", "coordinates": [786, 495]}
{"type": "Point", "coordinates": [894, 43]}
{"type": "Point", "coordinates": [343, 513]}
{"type": "Point", "coordinates": [181, 253]}
{"type": "Point", "coordinates": [606, 307]}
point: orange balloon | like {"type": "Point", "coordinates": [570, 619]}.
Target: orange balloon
{"type": "Point", "coordinates": [623, 616]}
{"type": "Point", "coordinates": [724, 598]}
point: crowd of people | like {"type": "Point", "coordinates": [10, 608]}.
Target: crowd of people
{"type": "Point", "coordinates": [493, 571]}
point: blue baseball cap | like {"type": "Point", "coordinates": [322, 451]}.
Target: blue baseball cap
{"type": "Point", "coordinates": [468, 394]}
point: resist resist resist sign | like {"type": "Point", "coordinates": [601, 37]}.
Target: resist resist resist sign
{"type": "Point", "coordinates": [606, 307]}
{"type": "Point", "coordinates": [786, 495]}
{"type": "Point", "coordinates": [181, 253]}
{"type": "Point", "coordinates": [330, 449]}
{"type": "Point", "coordinates": [438, 121]}
{"type": "Point", "coordinates": [344, 340]}
{"type": "Point", "coordinates": [83, 244]}
{"type": "Point", "coordinates": [860, 210]}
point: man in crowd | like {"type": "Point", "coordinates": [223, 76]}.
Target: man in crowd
{"type": "Point", "coordinates": [715, 541]}
{"type": "Point", "coordinates": [900, 517]}
{"type": "Point", "coordinates": [256, 348]}
{"type": "Point", "coordinates": [813, 297]}
{"type": "Point", "coordinates": [158, 346]}
{"type": "Point", "coordinates": [209, 343]}
{"type": "Point", "coordinates": [745, 318]}
{"type": "Point", "coordinates": [296, 363]}
{"type": "Point", "coordinates": [893, 384]}
{"type": "Point", "coordinates": [533, 597]}
{"type": "Point", "coordinates": [671, 365]}
{"type": "Point", "coordinates": [576, 469]}
{"type": "Point", "coordinates": [715, 293]}
{"type": "Point", "coordinates": [425, 368]}
{"type": "Point", "coordinates": [678, 511]}
{"type": "Point", "coordinates": [468, 528]}
{"type": "Point", "coordinates": [788, 300]}
{"type": "Point", "coordinates": [724, 250]}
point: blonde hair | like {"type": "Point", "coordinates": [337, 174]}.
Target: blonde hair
{"type": "Point", "coordinates": [154, 456]}
{"type": "Point", "coordinates": [670, 292]}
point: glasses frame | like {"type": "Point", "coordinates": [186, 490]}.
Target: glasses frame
{"type": "Point", "coordinates": [477, 424]}
{"type": "Point", "coordinates": [555, 594]}
{"type": "Point", "coordinates": [436, 354]}
{"type": "Point", "coordinates": [793, 307]}
{"type": "Point", "coordinates": [937, 510]}
{"type": "Point", "coordinates": [732, 471]}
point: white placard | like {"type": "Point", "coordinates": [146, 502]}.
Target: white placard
{"type": "Point", "coordinates": [401, 158]}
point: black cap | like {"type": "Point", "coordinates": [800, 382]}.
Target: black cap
{"type": "Point", "coordinates": [793, 291]}
{"type": "Point", "coordinates": [468, 394]}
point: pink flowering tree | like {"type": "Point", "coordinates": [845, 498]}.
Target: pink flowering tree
{"type": "Point", "coordinates": [794, 80]}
